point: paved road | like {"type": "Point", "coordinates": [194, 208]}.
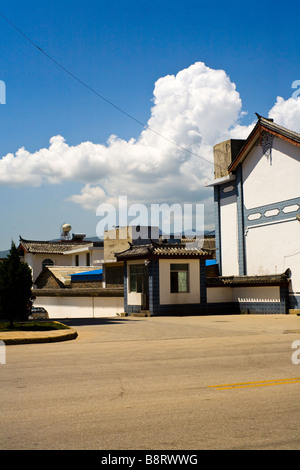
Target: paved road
{"type": "Point", "coordinates": [190, 383]}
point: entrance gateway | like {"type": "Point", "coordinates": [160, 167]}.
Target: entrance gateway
{"type": "Point", "coordinates": [166, 278]}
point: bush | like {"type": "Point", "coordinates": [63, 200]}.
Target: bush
{"type": "Point", "coordinates": [15, 287]}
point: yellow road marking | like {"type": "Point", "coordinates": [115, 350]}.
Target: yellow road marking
{"type": "Point", "coordinates": [262, 383]}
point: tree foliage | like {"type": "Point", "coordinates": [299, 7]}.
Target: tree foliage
{"type": "Point", "coordinates": [15, 287]}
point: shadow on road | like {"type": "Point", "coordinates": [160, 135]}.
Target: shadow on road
{"type": "Point", "coordinates": [90, 321]}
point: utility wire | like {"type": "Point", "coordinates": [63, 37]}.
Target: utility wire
{"type": "Point", "coordinates": [103, 97]}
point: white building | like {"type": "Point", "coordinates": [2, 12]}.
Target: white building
{"type": "Point", "coordinates": [257, 218]}
{"type": "Point", "coordinates": [74, 252]}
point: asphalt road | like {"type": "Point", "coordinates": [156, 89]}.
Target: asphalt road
{"type": "Point", "coordinates": [189, 383]}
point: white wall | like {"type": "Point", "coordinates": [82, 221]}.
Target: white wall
{"type": "Point", "coordinates": [35, 261]}
{"type": "Point", "coordinates": [269, 248]}
{"type": "Point", "coordinates": [256, 294]}
{"type": "Point", "coordinates": [219, 294]}
{"type": "Point", "coordinates": [133, 298]}
{"type": "Point", "coordinates": [229, 236]}
{"type": "Point", "coordinates": [273, 248]}
{"type": "Point", "coordinates": [266, 180]}
{"type": "Point", "coordinates": [96, 256]}
{"type": "Point", "coordinates": [81, 307]}
{"type": "Point", "coordinates": [166, 297]}
{"type": "Point", "coordinates": [243, 294]}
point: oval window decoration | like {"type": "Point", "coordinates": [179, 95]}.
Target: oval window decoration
{"type": "Point", "coordinates": [292, 208]}
{"type": "Point", "coordinates": [255, 216]}
{"type": "Point", "coordinates": [272, 212]}
{"type": "Point", "coordinates": [228, 189]}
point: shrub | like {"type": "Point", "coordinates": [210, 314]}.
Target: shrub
{"type": "Point", "coordinates": [15, 287]}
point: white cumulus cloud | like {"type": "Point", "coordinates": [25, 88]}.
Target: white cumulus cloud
{"type": "Point", "coordinates": [287, 113]}
{"type": "Point", "coordinates": [194, 109]}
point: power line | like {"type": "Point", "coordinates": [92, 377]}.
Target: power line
{"type": "Point", "coordinates": [101, 96]}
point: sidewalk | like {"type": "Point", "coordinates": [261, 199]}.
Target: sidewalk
{"type": "Point", "coordinates": [28, 337]}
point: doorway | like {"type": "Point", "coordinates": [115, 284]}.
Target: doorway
{"type": "Point", "coordinates": [139, 283]}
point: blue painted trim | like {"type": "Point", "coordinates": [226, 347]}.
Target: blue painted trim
{"type": "Point", "coordinates": [260, 308]}
{"type": "Point", "coordinates": [294, 301]}
{"type": "Point", "coordinates": [181, 309]}
{"type": "Point", "coordinates": [225, 195]}
{"type": "Point", "coordinates": [281, 216]}
{"type": "Point", "coordinates": [133, 309]}
{"type": "Point", "coordinates": [203, 289]}
{"type": "Point", "coordinates": [154, 297]}
{"type": "Point", "coordinates": [223, 308]}
{"type": "Point", "coordinates": [257, 308]}
{"type": "Point", "coordinates": [284, 299]}
{"type": "Point", "coordinates": [240, 220]}
{"type": "Point", "coordinates": [125, 287]}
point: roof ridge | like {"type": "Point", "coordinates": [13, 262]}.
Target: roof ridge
{"type": "Point", "coordinates": [267, 124]}
{"type": "Point", "coordinates": [56, 242]}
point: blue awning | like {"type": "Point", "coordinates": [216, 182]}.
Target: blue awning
{"type": "Point", "coordinates": [88, 276]}
{"type": "Point", "coordinates": [210, 262]}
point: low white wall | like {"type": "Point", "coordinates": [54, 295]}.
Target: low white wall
{"type": "Point", "coordinates": [81, 307]}
{"type": "Point", "coordinates": [256, 294]}
{"type": "Point", "coordinates": [243, 294]}
{"type": "Point", "coordinates": [134, 298]}
{"type": "Point", "coordinates": [219, 294]}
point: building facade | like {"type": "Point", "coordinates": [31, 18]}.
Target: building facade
{"type": "Point", "coordinates": [39, 254]}
{"type": "Point", "coordinates": [257, 215]}
{"type": "Point", "coordinates": [166, 279]}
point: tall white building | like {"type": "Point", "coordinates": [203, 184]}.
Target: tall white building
{"type": "Point", "coordinates": [257, 215]}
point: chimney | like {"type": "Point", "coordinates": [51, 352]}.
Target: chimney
{"type": "Point", "coordinates": [224, 154]}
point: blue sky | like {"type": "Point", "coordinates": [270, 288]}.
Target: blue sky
{"type": "Point", "coordinates": [121, 49]}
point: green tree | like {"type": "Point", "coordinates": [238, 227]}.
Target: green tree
{"type": "Point", "coordinates": [15, 287]}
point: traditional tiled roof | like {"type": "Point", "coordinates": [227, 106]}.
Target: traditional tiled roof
{"type": "Point", "coordinates": [80, 292]}
{"type": "Point", "coordinates": [197, 248]}
{"type": "Point", "coordinates": [51, 247]}
{"type": "Point", "coordinates": [267, 125]}
{"type": "Point", "coordinates": [270, 125]}
{"type": "Point", "coordinates": [64, 273]}
{"type": "Point", "coordinates": [236, 281]}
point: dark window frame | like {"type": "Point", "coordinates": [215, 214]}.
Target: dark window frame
{"type": "Point", "coordinates": [47, 262]}
{"type": "Point", "coordinates": [136, 275]}
{"type": "Point", "coordinates": [179, 276]}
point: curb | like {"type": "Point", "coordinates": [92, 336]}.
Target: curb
{"type": "Point", "coordinates": [52, 336]}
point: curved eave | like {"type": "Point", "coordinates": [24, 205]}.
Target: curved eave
{"type": "Point", "coordinates": [267, 126]}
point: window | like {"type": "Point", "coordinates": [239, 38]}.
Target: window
{"type": "Point", "coordinates": [138, 277]}
{"type": "Point", "coordinates": [179, 278]}
{"type": "Point", "coordinates": [77, 260]}
{"type": "Point", "coordinates": [47, 262]}
{"type": "Point", "coordinates": [88, 259]}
